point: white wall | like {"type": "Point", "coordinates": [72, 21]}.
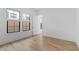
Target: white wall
{"type": "Point", "coordinates": [4, 37]}
{"type": "Point", "coordinates": [59, 23]}
{"type": "Point", "coordinates": [77, 26]}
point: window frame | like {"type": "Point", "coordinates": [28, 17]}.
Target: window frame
{"type": "Point", "coordinates": [15, 19]}
{"type": "Point", "coordinates": [26, 25]}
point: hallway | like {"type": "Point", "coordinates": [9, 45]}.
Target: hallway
{"type": "Point", "coordinates": [40, 43]}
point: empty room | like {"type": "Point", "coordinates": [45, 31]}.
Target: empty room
{"type": "Point", "coordinates": [39, 29]}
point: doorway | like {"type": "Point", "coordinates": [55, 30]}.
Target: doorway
{"type": "Point", "coordinates": [37, 24]}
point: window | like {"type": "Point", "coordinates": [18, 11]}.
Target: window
{"type": "Point", "coordinates": [26, 23]}
{"type": "Point", "coordinates": [13, 24]}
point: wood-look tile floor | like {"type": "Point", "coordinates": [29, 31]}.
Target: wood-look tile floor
{"type": "Point", "coordinates": [40, 43]}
